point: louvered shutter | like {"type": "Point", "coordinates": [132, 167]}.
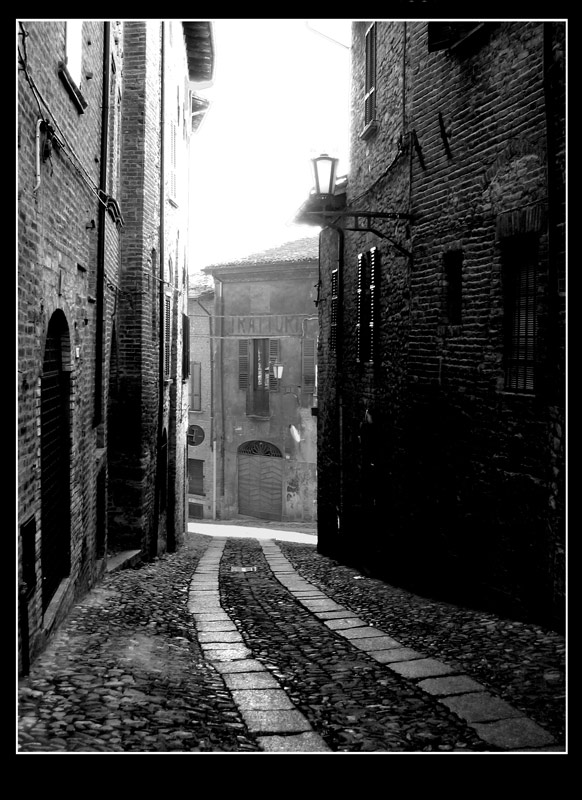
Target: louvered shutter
{"type": "Point", "coordinates": [243, 364]}
{"type": "Point", "coordinates": [195, 386]}
{"type": "Point", "coordinates": [370, 86]}
{"type": "Point", "coordinates": [334, 310]}
{"type": "Point", "coordinates": [185, 347]}
{"type": "Point", "coordinates": [308, 364]}
{"type": "Point", "coordinates": [359, 308]}
{"type": "Point", "coordinates": [374, 320]}
{"type": "Point", "coordinates": [167, 336]}
{"type": "Point", "coordinates": [274, 356]}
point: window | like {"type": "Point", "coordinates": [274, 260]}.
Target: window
{"type": "Point", "coordinates": [308, 365]}
{"type": "Point", "coordinates": [368, 298]}
{"type": "Point", "coordinates": [173, 160]}
{"type": "Point", "coordinates": [454, 35]}
{"type": "Point", "coordinates": [255, 373]}
{"type": "Point", "coordinates": [195, 386]}
{"type": "Point", "coordinates": [74, 49]}
{"type": "Point", "coordinates": [453, 277]}
{"type": "Point", "coordinates": [195, 476]}
{"type": "Point", "coordinates": [521, 321]}
{"type": "Point", "coordinates": [70, 70]}
{"type": "Point", "coordinates": [370, 82]}
{"type": "Point", "coordinates": [185, 347]}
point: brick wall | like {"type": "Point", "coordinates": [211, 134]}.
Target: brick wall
{"type": "Point", "coordinates": [57, 232]}
{"type": "Point", "coordinates": [462, 491]}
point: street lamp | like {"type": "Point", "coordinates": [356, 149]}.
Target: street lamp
{"type": "Point", "coordinates": [326, 205]}
{"type": "Point", "coordinates": [277, 370]}
{"type": "Point", "coordinates": [325, 175]}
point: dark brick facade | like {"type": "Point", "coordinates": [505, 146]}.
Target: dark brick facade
{"type": "Point", "coordinates": [102, 280]}
{"type": "Point", "coordinates": [458, 475]}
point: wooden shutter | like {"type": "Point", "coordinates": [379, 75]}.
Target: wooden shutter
{"type": "Point", "coordinates": [274, 355]}
{"type": "Point", "coordinates": [243, 364]}
{"type": "Point", "coordinates": [167, 335]}
{"type": "Point", "coordinates": [308, 365]}
{"type": "Point", "coordinates": [195, 476]}
{"type": "Point", "coordinates": [360, 309]}
{"type": "Point", "coordinates": [334, 310]}
{"type": "Point", "coordinates": [185, 347]}
{"type": "Point", "coordinates": [195, 386]}
{"type": "Point", "coordinates": [374, 298]}
{"type": "Point", "coordinates": [370, 86]}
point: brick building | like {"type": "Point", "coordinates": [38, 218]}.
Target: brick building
{"type": "Point", "coordinates": [263, 427]}
{"type": "Point", "coordinates": [106, 111]}
{"type": "Point", "coordinates": [441, 399]}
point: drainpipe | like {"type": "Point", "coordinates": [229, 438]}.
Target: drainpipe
{"type": "Point", "coordinates": [161, 374]}
{"type": "Point", "coordinates": [212, 431]}
{"type": "Point", "coordinates": [100, 288]}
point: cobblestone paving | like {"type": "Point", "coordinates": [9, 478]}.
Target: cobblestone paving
{"type": "Point", "coordinates": [523, 664]}
{"type": "Point", "coordinates": [352, 702]}
{"type": "Point", "coordinates": [126, 672]}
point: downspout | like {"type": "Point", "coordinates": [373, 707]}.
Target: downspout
{"type": "Point", "coordinates": [220, 378]}
{"type": "Point", "coordinates": [100, 278]}
{"type": "Point", "coordinates": [161, 373]}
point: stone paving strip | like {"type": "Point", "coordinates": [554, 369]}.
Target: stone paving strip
{"type": "Point", "coordinates": [265, 707]}
{"type": "Point", "coordinates": [495, 721]}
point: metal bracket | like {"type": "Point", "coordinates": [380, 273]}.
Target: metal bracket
{"type": "Point", "coordinates": [368, 216]}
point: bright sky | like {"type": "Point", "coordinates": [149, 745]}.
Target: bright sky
{"type": "Point", "coordinates": [280, 97]}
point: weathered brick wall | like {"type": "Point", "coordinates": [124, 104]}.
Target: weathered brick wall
{"type": "Point", "coordinates": [56, 268]}
{"type": "Point", "coordinates": [461, 492]}
{"type": "Point", "coordinates": [134, 426]}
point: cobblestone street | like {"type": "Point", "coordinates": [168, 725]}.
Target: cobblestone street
{"type": "Point", "coordinates": [248, 645]}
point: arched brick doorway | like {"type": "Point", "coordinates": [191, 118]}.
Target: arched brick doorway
{"type": "Point", "coordinates": [55, 458]}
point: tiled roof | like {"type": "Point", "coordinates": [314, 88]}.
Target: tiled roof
{"type": "Point", "coordinates": [199, 283]}
{"type": "Point", "coordinates": [297, 251]}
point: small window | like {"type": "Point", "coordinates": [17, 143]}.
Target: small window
{"type": "Point", "coordinates": [453, 280]}
{"type": "Point", "coordinates": [456, 35]}
{"type": "Point", "coordinates": [74, 49]}
{"type": "Point", "coordinates": [185, 347]}
{"type": "Point", "coordinates": [195, 476]}
{"type": "Point", "coordinates": [195, 386]}
{"type": "Point", "coordinates": [521, 319]}
{"type": "Point", "coordinates": [70, 69]}
{"type": "Point", "coordinates": [370, 84]}
{"type": "Point", "coordinates": [173, 161]}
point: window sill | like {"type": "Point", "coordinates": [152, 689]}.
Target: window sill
{"type": "Point", "coordinates": [369, 130]}
{"type": "Point", "coordinates": [259, 416]}
{"type": "Point", "coordinates": [71, 87]}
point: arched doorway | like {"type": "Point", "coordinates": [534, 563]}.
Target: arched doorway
{"type": "Point", "coordinates": [260, 480]}
{"type": "Point", "coordinates": [55, 458]}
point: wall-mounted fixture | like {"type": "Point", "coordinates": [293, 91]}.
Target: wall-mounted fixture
{"type": "Point", "coordinates": [326, 205]}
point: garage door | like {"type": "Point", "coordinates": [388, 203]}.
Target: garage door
{"type": "Point", "coordinates": [260, 480]}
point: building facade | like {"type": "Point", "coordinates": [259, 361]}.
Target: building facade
{"type": "Point", "coordinates": [264, 426]}
{"type": "Point", "coordinates": [442, 369]}
{"type": "Point", "coordinates": [106, 111]}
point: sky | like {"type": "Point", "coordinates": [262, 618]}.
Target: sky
{"type": "Point", "coordinates": [280, 96]}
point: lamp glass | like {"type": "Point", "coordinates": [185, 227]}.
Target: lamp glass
{"type": "Point", "coordinates": [324, 172]}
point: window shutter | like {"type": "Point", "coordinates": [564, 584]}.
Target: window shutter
{"type": "Point", "coordinates": [374, 322]}
{"type": "Point", "coordinates": [185, 347]}
{"type": "Point", "coordinates": [359, 308]}
{"type": "Point", "coordinates": [309, 364]}
{"type": "Point", "coordinates": [243, 364]}
{"type": "Point", "coordinates": [167, 336]}
{"type": "Point", "coordinates": [370, 86]}
{"type": "Point", "coordinates": [274, 355]}
{"type": "Point", "coordinates": [195, 386]}
{"type": "Point", "coordinates": [334, 309]}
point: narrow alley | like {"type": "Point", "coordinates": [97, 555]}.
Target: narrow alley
{"type": "Point", "coordinates": [249, 641]}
